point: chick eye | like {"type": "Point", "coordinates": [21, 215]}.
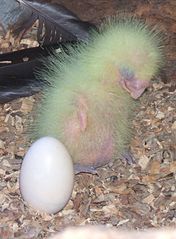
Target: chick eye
{"type": "Point", "coordinates": [126, 73]}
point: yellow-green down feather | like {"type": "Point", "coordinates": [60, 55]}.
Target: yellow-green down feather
{"type": "Point", "coordinates": [91, 70]}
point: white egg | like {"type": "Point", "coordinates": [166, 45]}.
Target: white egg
{"type": "Point", "coordinates": [47, 176]}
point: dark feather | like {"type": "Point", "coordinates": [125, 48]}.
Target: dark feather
{"type": "Point", "coordinates": [17, 78]}
{"type": "Point", "coordinates": [28, 53]}
{"type": "Point", "coordinates": [56, 23]}
{"type": "Point", "coordinates": [17, 88]}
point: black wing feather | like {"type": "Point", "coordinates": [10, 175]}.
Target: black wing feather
{"type": "Point", "coordinates": [56, 23]}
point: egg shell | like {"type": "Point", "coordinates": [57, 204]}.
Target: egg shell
{"type": "Point", "coordinates": [47, 175]}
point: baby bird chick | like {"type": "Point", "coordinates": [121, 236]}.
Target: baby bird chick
{"type": "Point", "coordinates": [89, 101]}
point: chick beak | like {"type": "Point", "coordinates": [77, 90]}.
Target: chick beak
{"type": "Point", "coordinates": [134, 86]}
{"type": "Point", "coordinates": [138, 88]}
{"type": "Point", "coordinates": [137, 92]}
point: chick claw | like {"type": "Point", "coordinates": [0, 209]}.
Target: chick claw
{"type": "Point", "coordinates": [128, 157]}
{"type": "Point", "coordinates": [84, 169]}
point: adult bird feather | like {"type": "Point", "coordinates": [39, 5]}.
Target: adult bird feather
{"type": "Point", "coordinates": [56, 25]}
{"type": "Point", "coordinates": [17, 76]}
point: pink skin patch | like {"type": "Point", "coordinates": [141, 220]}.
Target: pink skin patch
{"type": "Point", "coordinates": [72, 128]}
{"type": "Point", "coordinates": [82, 113]}
{"type": "Point", "coordinates": [103, 155]}
{"type": "Point", "coordinates": [78, 121]}
{"type": "Point", "coordinates": [96, 159]}
{"type": "Point", "coordinates": [75, 128]}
